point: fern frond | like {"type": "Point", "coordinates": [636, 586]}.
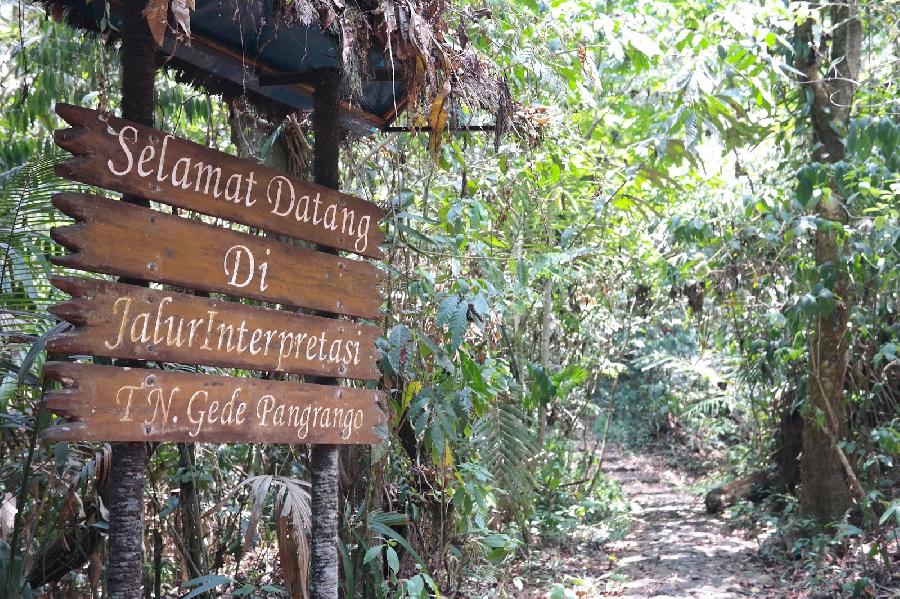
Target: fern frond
{"type": "Point", "coordinates": [506, 445]}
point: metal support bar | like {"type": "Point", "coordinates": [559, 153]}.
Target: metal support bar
{"type": "Point", "coordinates": [459, 129]}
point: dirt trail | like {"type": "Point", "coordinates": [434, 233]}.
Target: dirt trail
{"type": "Point", "coordinates": [673, 548]}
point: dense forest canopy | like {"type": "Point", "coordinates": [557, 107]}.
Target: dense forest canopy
{"type": "Point", "coordinates": [686, 236]}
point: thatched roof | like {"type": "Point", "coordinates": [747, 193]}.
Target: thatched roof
{"type": "Point", "coordinates": [395, 54]}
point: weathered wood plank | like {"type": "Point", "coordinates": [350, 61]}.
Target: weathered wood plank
{"type": "Point", "coordinates": [112, 404]}
{"type": "Point", "coordinates": [124, 321]}
{"type": "Point", "coordinates": [130, 158]}
{"type": "Point", "coordinates": [117, 238]}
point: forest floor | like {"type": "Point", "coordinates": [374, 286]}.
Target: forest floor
{"type": "Point", "coordinates": [672, 548]}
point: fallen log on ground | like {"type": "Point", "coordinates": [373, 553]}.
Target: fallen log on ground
{"type": "Point", "coordinates": [753, 487]}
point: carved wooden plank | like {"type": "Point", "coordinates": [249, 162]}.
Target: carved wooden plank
{"type": "Point", "coordinates": [122, 239]}
{"type": "Point", "coordinates": [124, 321]}
{"type": "Point", "coordinates": [130, 158]}
{"type": "Point", "coordinates": [109, 403]}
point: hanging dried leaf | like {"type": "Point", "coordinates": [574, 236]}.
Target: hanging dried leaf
{"type": "Point", "coordinates": [259, 490]}
{"type": "Point", "coordinates": [181, 11]}
{"type": "Point", "coordinates": [7, 515]}
{"type": "Point", "coordinates": [103, 458]}
{"type": "Point", "coordinates": [101, 509]}
{"type": "Point", "coordinates": [293, 505]}
{"type": "Point", "coordinates": [291, 501]}
{"type": "Point", "coordinates": [437, 120]}
{"type": "Point", "coordinates": [328, 17]}
{"type": "Point", "coordinates": [350, 50]}
{"type": "Point", "coordinates": [73, 507]}
{"type": "Point", "coordinates": [156, 13]}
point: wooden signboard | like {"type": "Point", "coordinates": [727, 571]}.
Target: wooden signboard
{"type": "Point", "coordinates": [134, 404]}
{"type": "Point", "coordinates": [117, 238]}
{"type": "Point", "coordinates": [130, 158]}
{"type": "Point", "coordinates": [119, 320]}
{"type": "Point", "coordinates": [124, 321]}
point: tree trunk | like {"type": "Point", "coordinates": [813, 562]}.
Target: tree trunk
{"type": "Point", "coordinates": [289, 155]}
{"type": "Point", "coordinates": [547, 312]}
{"type": "Point", "coordinates": [189, 513]}
{"type": "Point", "coordinates": [129, 460]}
{"type": "Point", "coordinates": [826, 476]}
{"type": "Point", "coordinates": [323, 538]}
{"type": "Point", "coordinates": [788, 444]}
{"type": "Point", "coordinates": [324, 462]}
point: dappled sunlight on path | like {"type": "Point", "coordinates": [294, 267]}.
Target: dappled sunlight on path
{"type": "Point", "coordinates": [672, 549]}
{"type": "Point", "coordinates": [675, 550]}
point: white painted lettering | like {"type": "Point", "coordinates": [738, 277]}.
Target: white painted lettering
{"type": "Point", "coordinates": [125, 310]}
{"type": "Point", "coordinates": [199, 413]}
{"type": "Point", "coordinates": [162, 159]}
{"type": "Point", "coordinates": [274, 196]}
{"type": "Point", "coordinates": [122, 142]}
{"type": "Point", "coordinates": [126, 417]}
{"type": "Point", "coordinates": [146, 156]}
{"type": "Point", "coordinates": [209, 171]}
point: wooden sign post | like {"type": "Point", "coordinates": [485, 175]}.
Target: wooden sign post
{"type": "Point", "coordinates": [132, 321]}
{"type": "Point", "coordinates": [128, 464]}
{"type": "Point", "coordinates": [323, 573]}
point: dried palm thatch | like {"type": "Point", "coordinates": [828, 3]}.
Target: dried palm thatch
{"type": "Point", "coordinates": [439, 69]}
{"type": "Point", "coordinates": [416, 41]}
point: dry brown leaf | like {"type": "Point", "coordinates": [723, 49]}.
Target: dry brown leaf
{"type": "Point", "coordinates": [104, 513]}
{"type": "Point", "coordinates": [73, 507]}
{"type": "Point", "coordinates": [103, 459]}
{"type": "Point", "coordinates": [156, 13]}
{"type": "Point", "coordinates": [95, 569]}
{"type": "Point", "coordinates": [437, 120]}
{"type": "Point", "coordinates": [294, 560]}
{"type": "Point", "coordinates": [328, 18]}
{"type": "Point", "coordinates": [259, 489]}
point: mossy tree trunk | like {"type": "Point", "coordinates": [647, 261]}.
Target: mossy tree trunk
{"type": "Point", "coordinates": [830, 67]}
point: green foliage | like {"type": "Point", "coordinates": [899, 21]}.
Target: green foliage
{"type": "Point", "coordinates": [657, 178]}
{"type": "Point", "coordinates": [506, 445]}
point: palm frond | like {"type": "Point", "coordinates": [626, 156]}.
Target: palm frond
{"type": "Point", "coordinates": [291, 502]}
{"type": "Point", "coordinates": [26, 217]}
